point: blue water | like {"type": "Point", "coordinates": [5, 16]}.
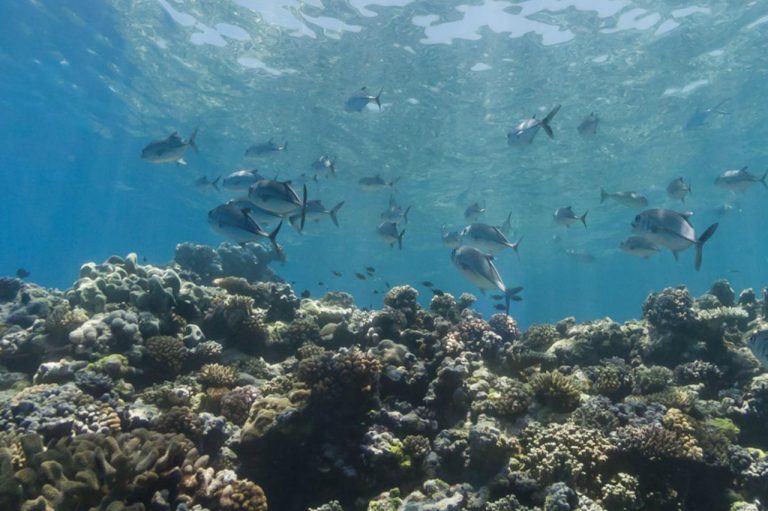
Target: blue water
{"type": "Point", "coordinates": [85, 85]}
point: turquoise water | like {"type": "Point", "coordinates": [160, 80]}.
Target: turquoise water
{"type": "Point", "coordinates": [84, 86]}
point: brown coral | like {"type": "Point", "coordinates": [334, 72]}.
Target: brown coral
{"type": "Point", "coordinates": [218, 375]}
{"type": "Point", "coordinates": [242, 495]}
{"type": "Point", "coordinates": [166, 353]}
{"type": "Point", "coordinates": [556, 390]}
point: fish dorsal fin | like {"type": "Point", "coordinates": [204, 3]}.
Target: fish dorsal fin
{"type": "Point", "coordinates": [245, 211]}
{"type": "Point", "coordinates": [686, 214]}
{"type": "Point", "coordinates": [364, 88]}
{"type": "Point", "coordinates": [743, 169]}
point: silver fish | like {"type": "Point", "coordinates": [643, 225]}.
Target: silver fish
{"type": "Point", "coordinates": [524, 133]}
{"type": "Point", "coordinates": [235, 223]}
{"type": "Point", "coordinates": [450, 238]}
{"type": "Point", "coordinates": [241, 180]}
{"type": "Point", "coordinates": [487, 238]}
{"type": "Point", "coordinates": [279, 198]}
{"type": "Point", "coordinates": [700, 116]}
{"type": "Point", "coordinates": [169, 150]}
{"type": "Point", "coordinates": [565, 216]}
{"type": "Point", "coordinates": [324, 163]}
{"type": "Point", "coordinates": [265, 149]}
{"type": "Point", "coordinates": [203, 183]}
{"type": "Point", "coordinates": [261, 216]}
{"type": "Point", "coordinates": [639, 247]}
{"type": "Point", "coordinates": [395, 213]}
{"type": "Point", "coordinates": [739, 180]}
{"type": "Point", "coordinates": [678, 189]}
{"type": "Point", "coordinates": [580, 256]}
{"type": "Point", "coordinates": [672, 230]}
{"type": "Point", "coordinates": [316, 211]}
{"type": "Point", "coordinates": [389, 233]}
{"type": "Point", "coordinates": [373, 183]}
{"type": "Point", "coordinates": [360, 99]}
{"type": "Point", "coordinates": [479, 269]}
{"type": "Point", "coordinates": [758, 345]}
{"type": "Point", "coordinates": [473, 212]}
{"type": "Point", "coordinates": [588, 126]}
{"type": "Point", "coordinates": [629, 199]}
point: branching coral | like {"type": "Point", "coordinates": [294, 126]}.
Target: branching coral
{"type": "Point", "coordinates": [556, 390]}
{"type": "Point", "coordinates": [217, 375]}
{"type": "Point", "coordinates": [166, 354]}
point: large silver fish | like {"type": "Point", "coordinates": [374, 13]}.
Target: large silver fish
{"type": "Point", "coordinates": [678, 189]}
{"type": "Point", "coordinates": [316, 211]}
{"type": "Point", "coordinates": [395, 213]}
{"type": "Point", "coordinates": [524, 133]}
{"type": "Point", "coordinates": [487, 238]}
{"type": "Point", "coordinates": [234, 223]}
{"type": "Point", "coordinates": [629, 199]}
{"type": "Point", "coordinates": [360, 99]}
{"type": "Point", "coordinates": [473, 212]}
{"type": "Point", "coordinates": [261, 216]}
{"type": "Point", "coordinates": [169, 150]}
{"type": "Point", "coordinates": [588, 126]}
{"type": "Point", "coordinates": [758, 345]}
{"type": "Point", "coordinates": [700, 116]}
{"type": "Point", "coordinates": [639, 247]}
{"type": "Point", "coordinates": [389, 233]}
{"type": "Point", "coordinates": [738, 180]}
{"type": "Point", "coordinates": [374, 183]}
{"type": "Point", "coordinates": [479, 269]}
{"type": "Point", "coordinates": [672, 230]}
{"type": "Point", "coordinates": [565, 216]}
{"type": "Point", "coordinates": [265, 149]}
{"type": "Point", "coordinates": [279, 198]}
{"type": "Point", "coordinates": [241, 180]}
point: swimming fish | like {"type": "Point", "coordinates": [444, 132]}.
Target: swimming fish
{"type": "Point", "coordinates": [360, 99]}
{"type": "Point", "coordinates": [700, 116]}
{"type": "Point", "coordinates": [565, 216]}
{"type": "Point", "coordinates": [241, 180]}
{"type": "Point", "coordinates": [758, 345]}
{"type": "Point", "coordinates": [324, 163]}
{"type": "Point", "coordinates": [427, 283]}
{"type": "Point", "coordinates": [678, 189]}
{"type": "Point", "coordinates": [305, 293]}
{"type": "Point", "coordinates": [370, 269]}
{"type": "Point", "coordinates": [388, 232]}
{"type": "Point", "coordinates": [629, 199]}
{"type": "Point", "coordinates": [22, 273]}
{"type": "Point", "coordinates": [588, 126]}
{"type": "Point", "coordinates": [479, 269]}
{"type": "Point", "coordinates": [499, 306]}
{"type": "Point", "coordinates": [169, 150]}
{"type": "Point", "coordinates": [261, 216]}
{"type": "Point", "coordinates": [265, 149]}
{"type": "Point", "coordinates": [395, 213]}
{"type": "Point", "coordinates": [672, 230]}
{"type": "Point", "coordinates": [336, 273]}
{"type": "Point", "coordinates": [203, 183]}
{"type": "Point", "coordinates": [450, 238]}
{"type": "Point", "coordinates": [739, 180]}
{"type": "Point", "coordinates": [580, 255]}
{"type": "Point", "coordinates": [473, 212]}
{"type": "Point", "coordinates": [316, 211]}
{"type": "Point", "coordinates": [639, 246]}
{"type": "Point", "coordinates": [359, 276]}
{"type": "Point", "coordinates": [235, 224]}
{"type": "Point", "coordinates": [373, 183]}
{"type": "Point", "coordinates": [497, 297]}
{"type": "Point", "coordinates": [279, 198]}
{"type": "Point", "coordinates": [524, 133]}
{"type": "Point", "coordinates": [487, 238]}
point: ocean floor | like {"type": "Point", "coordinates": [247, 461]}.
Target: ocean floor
{"type": "Point", "coordinates": [207, 384]}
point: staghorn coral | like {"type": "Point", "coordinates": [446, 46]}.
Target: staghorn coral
{"type": "Point", "coordinates": [655, 443]}
{"type": "Point", "coordinates": [217, 375]}
{"type": "Point", "coordinates": [622, 493]}
{"type": "Point", "coordinates": [556, 390]}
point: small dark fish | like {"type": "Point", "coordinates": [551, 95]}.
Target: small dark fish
{"type": "Point", "coordinates": [375, 291]}
{"type": "Point", "coordinates": [497, 297]}
{"type": "Point", "coordinates": [387, 284]}
{"type": "Point", "coordinates": [336, 273]}
{"type": "Point", "coordinates": [144, 259]}
{"type": "Point", "coordinates": [320, 283]}
{"type": "Point", "coordinates": [22, 273]}
{"type": "Point", "coordinates": [359, 276]}
{"type": "Point", "coordinates": [500, 307]}
{"type": "Point", "coordinates": [437, 292]}
{"type": "Point", "coordinates": [700, 116]}
{"type": "Point", "coordinates": [305, 293]}
{"type": "Point", "coordinates": [370, 269]}
{"type": "Point", "coordinates": [588, 126]}
{"type": "Point", "coordinates": [427, 283]}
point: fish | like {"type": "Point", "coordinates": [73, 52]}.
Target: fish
{"type": "Point", "coordinates": [497, 297]}
{"type": "Point", "coordinates": [499, 306]}
{"type": "Point", "coordinates": [320, 283]}
{"type": "Point", "coordinates": [387, 284]}
{"type": "Point", "coordinates": [374, 183]}
{"type": "Point", "coordinates": [316, 211]}
{"type": "Point", "coordinates": [336, 273]}
{"type": "Point", "coordinates": [324, 163]}
{"type": "Point", "coordinates": [235, 223]}
{"type": "Point", "coordinates": [639, 246]}
{"type": "Point", "coordinates": [22, 273]}
{"type": "Point", "coordinates": [487, 238]}
{"type": "Point", "coordinates": [305, 293]}
{"type": "Point", "coordinates": [678, 189]}
{"type": "Point", "coordinates": [203, 183]}
{"type": "Point", "coordinates": [388, 232]}
{"type": "Point", "coordinates": [473, 212]}
{"type": "Point", "coordinates": [370, 269]}
{"type": "Point", "coordinates": [672, 230]}
{"type": "Point", "coordinates": [375, 291]}
{"type": "Point", "coordinates": [526, 130]}
{"type": "Point", "coordinates": [265, 149]}
{"type": "Point", "coordinates": [279, 198]}
{"type": "Point", "coordinates": [565, 216]}
{"type": "Point", "coordinates": [580, 256]}
{"type": "Point", "coordinates": [479, 269]}
{"type": "Point", "coordinates": [450, 238]}
{"type": "Point", "coordinates": [359, 276]}
{"type": "Point", "coordinates": [758, 345]}
{"type": "Point", "coordinates": [588, 126]}
{"type": "Point", "coordinates": [262, 216]}
{"type": "Point", "coordinates": [360, 99]}
{"type": "Point", "coordinates": [241, 180]}
{"type": "Point", "coordinates": [427, 283]}
{"type": "Point", "coordinates": [700, 117]}
{"type": "Point", "coordinates": [727, 209]}
{"type": "Point", "coordinates": [395, 213]}
{"type": "Point", "coordinates": [437, 292]}
{"type": "Point", "coordinates": [629, 199]}
{"type": "Point", "coordinates": [169, 150]}
{"type": "Point", "coordinates": [507, 225]}
{"type": "Point", "coordinates": [739, 180]}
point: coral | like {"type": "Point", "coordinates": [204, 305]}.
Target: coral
{"type": "Point", "coordinates": [646, 380]}
{"type": "Point", "coordinates": [670, 309]}
{"type": "Point", "coordinates": [724, 292]}
{"type": "Point", "coordinates": [242, 495]}
{"type": "Point", "coordinates": [474, 335]}
{"type": "Point", "coordinates": [596, 413]}
{"type": "Point", "coordinates": [95, 384]}
{"type": "Point", "coordinates": [166, 354]}
{"type": "Point", "coordinates": [9, 288]}
{"type": "Point", "coordinates": [556, 390]}
{"type": "Point", "coordinates": [621, 493]}
{"type": "Point", "coordinates": [445, 305]}
{"type": "Point", "coordinates": [506, 398]}
{"type": "Point", "coordinates": [540, 337]}
{"type": "Point", "coordinates": [612, 380]}
{"type": "Point", "coordinates": [656, 443]}
{"type": "Point", "coordinates": [402, 297]}
{"type": "Point", "coordinates": [236, 404]}
{"type": "Point", "coordinates": [217, 375]}
{"type": "Point", "coordinates": [62, 320]}
{"type": "Point", "coordinates": [505, 327]}
{"type": "Point", "coordinates": [200, 259]}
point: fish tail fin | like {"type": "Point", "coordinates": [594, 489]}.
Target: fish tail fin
{"type": "Point", "coordinates": [509, 217]}
{"type": "Point", "coordinates": [191, 141]}
{"type": "Point", "coordinates": [333, 168]}
{"type": "Point", "coordinates": [510, 295]}
{"type": "Point", "coordinates": [405, 215]}
{"type": "Point", "coordinates": [400, 240]}
{"type": "Point", "coordinates": [335, 210]}
{"type": "Point", "coordinates": [516, 246]}
{"type": "Point", "coordinates": [700, 243]}
{"type": "Point", "coordinates": [303, 208]}
{"type": "Point", "coordinates": [394, 182]}
{"type": "Point", "coordinates": [717, 107]}
{"type": "Point", "coordinates": [583, 219]}
{"type": "Point", "coordinates": [215, 184]}
{"type": "Point", "coordinates": [273, 237]}
{"type": "Point", "coordinates": [285, 146]}
{"type": "Point", "coordinates": [603, 195]}
{"type": "Point", "coordinates": [545, 122]}
{"type": "Point", "coordinates": [762, 179]}
{"type": "Point", "coordinates": [377, 99]}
